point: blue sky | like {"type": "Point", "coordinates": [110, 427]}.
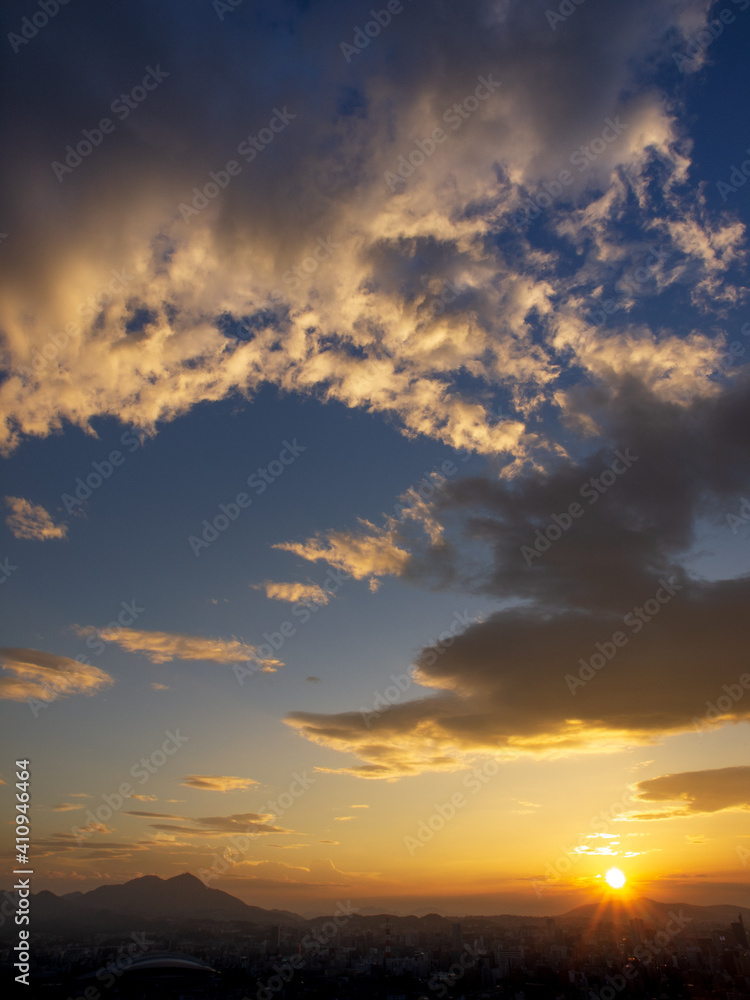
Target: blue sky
{"type": "Point", "coordinates": [388, 330]}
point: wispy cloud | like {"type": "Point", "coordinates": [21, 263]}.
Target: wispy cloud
{"type": "Point", "coordinates": [31, 521]}
{"type": "Point", "coordinates": [161, 647]}
{"type": "Point", "coordinates": [210, 826]}
{"type": "Point", "coordinates": [372, 552]}
{"type": "Point", "coordinates": [296, 592]}
{"type": "Point", "coordinates": [30, 673]}
{"type": "Point", "coordinates": [218, 782]}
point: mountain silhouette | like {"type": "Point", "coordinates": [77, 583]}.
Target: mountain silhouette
{"type": "Point", "coordinates": [652, 912]}
{"type": "Point", "coordinates": [183, 897]}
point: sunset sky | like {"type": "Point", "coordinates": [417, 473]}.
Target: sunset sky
{"type": "Point", "coordinates": [375, 448]}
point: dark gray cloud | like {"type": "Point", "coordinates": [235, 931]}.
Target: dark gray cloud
{"type": "Point", "coordinates": [610, 641]}
{"type": "Point", "coordinates": [694, 792]}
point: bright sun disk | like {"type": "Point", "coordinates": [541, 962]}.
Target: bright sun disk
{"type": "Point", "coordinates": [615, 878]}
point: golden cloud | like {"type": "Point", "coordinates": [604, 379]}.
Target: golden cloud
{"type": "Point", "coordinates": [373, 552]}
{"type": "Point", "coordinates": [31, 521]}
{"type": "Point", "coordinates": [218, 782]}
{"type": "Point", "coordinates": [161, 647]}
{"type": "Point", "coordinates": [30, 673]}
{"type": "Point", "coordinates": [294, 592]}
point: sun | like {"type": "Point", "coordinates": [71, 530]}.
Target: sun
{"type": "Point", "coordinates": [615, 878]}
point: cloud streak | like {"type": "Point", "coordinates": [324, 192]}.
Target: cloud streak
{"type": "Point", "coordinates": [161, 647]}
{"type": "Point", "coordinates": [218, 783]}
{"type": "Point", "coordinates": [30, 673]}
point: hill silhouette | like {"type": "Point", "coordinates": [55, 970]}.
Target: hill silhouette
{"type": "Point", "coordinates": [184, 898]}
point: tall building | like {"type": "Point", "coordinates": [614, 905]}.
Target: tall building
{"type": "Point", "coordinates": [637, 929]}
{"type": "Point", "coordinates": [738, 930]}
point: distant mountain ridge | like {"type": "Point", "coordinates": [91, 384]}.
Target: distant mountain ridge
{"type": "Point", "coordinates": [651, 912]}
{"type": "Point", "coordinates": [151, 899]}
{"type": "Point", "coordinates": [183, 897]}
